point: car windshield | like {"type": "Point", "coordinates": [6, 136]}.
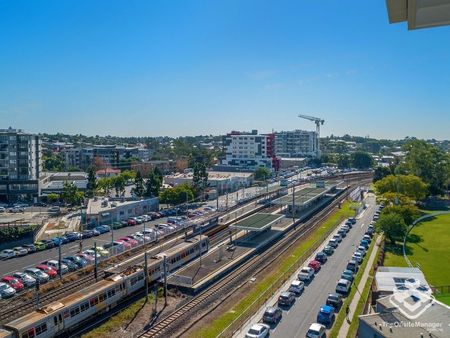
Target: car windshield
{"type": "Point", "coordinates": [253, 331]}
{"type": "Point", "coordinates": [3, 287]}
{"type": "Point", "coordinates": [313, 332]}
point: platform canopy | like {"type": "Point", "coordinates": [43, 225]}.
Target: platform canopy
{"type": "Point", "coordinates": [257, 222]}
{"type": "Point", "coordinates": [302, 196]}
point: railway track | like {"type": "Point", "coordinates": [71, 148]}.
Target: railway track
{"type": "Point", "coordinates": [261, 261]}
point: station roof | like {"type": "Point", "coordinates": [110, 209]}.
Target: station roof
{"type": "Point", "coordinates": [302, 196]}
{"type": "Point", "coordinates": [257, 222]}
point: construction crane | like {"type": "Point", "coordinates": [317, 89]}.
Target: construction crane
{"type": "Point", "coordinates": [318, 121]}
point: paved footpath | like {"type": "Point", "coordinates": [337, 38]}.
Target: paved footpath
{"type": "Point", "coordinates": [354, 303]}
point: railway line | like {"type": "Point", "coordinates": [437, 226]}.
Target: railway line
{"type": "Point", "coordinates": [166, 326]}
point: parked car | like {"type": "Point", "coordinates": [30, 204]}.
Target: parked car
{"type": "Point", "coordinates": [334, 300]}
{"type": "Point", "coordinates": [286, 298]}
{"type": "Point", "coordinates": [73, 236]}
{"type": "Point", "coordinates": [88, 258]}
{"type": "Point", "coordinates": [48, 270]}
{"type": "Point", "coordinates": [125, 244]}
{"type": "Point", "coordinates": [357, 256]}
{"type": "Point", "coordinates": [272, 315]}
{"type": "Point", "coordinates": [25, 279]}
{"type": "Point", "coordinates": [326, 315]}
{"type": "Point", "coordinates": [70, 265]}
{"type": "Point", "coordinates": [321, 257]}
{"type": "Point", "coordinates": [20, 251]}
{"type": "Point", "coordinates": [352, 265]}
{"type": "Point", "coordinates": [346, 228]}
{"type": "Point", "coordinates": [352, 220]}
{"type": "Point", "coordinates": [102, 229]}
{"type": "Point", "coordinates": [328, 249]}
{"type": "Point", "coordinates": [316, 330]}
{"type": "Point", "coordinates": [87, 234]}
{"type": "Point", "coordinates": [40, 246]}
{"type": "Point", "coordinates": [258, 331]}
{"type": "Point", "coordinates": [342, 233]}
{"type": "Point", "coordinates": [364, 243]}
{"type": "Point", "coordinates": [297, 287]}
{"type": "Point", "coordinates": [91, 252]}
{"type": "Point", "coordinates": [137, 238]}
{"type": "Point", "coordinates": [54, 264]}
{"type": "Point", "coordinates": [367, 238]}
{"type": "Point", "coordinates": [48, 243]}
{"type": "Point", "coordinates": [79, 261]}
{"type": "Point", "coordinates": [306, 274]}
{"type": "Point", "coordinates": [2, 209]}
{"type": "Point", "coordinates": [315, 265]}
{"type": "Point", "coordinates": [7, 254]}
{"type": "Point", "coordinates": [131, 222]}
{"type": "Point", "coordinates": [101, 251]}
{"type": "Point", "coordinates": [348, 275]}
{"type": "Point", "coordinates": [362, 250]}
{"type": "Point", "coordinates": [338, 238]}
{"type": "Point", "coordinates": [38, 275]}
{"type": "Point", "coordinates": [333, 243]}
{"type": "Point", "coordinates": [343, 286]}
{"type": "Point", "coordinates": [6, 291]}
{"type": "Point", "coordinates": [129, 240]}
{"type": "Point", "coordinates": [57, 241]}
{"type": "Point", "coordinates": [30, 248]}
{"type": "Point", "coordinates": [13, 282]}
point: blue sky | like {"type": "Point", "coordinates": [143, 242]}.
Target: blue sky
{"type": "Point", "coordinates": [207, 67]}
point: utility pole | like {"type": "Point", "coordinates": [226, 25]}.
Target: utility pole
{"type": "Point", "coordinates": [165, 280]}
{"type": "Point", "coordinates": [293, 206]}
{"type": "Point", "coordinates": [155, 308]}
{"type": "Point", "coordinates": [59, 260]}
{"type": "Point", "coordinates": [95, 261]}
{"type": "Point", "coordinates": [146, 274]}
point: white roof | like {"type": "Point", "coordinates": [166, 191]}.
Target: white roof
{"type": "Point", "coordinates": [388, 278]}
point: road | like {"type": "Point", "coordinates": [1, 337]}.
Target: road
{"type": "Point", "coordinates": [296, 321]}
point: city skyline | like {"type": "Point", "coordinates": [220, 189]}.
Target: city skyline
{"type": "Point", "coordinates": [153, 69]}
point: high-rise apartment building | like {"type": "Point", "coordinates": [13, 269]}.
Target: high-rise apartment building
{"type": "Point", "coordinates": [20, 165]}
{"type": "Point", "coordinates": [296, 143]}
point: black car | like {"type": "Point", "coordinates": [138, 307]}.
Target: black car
{"type": "Point", "coordinates": [334, 300]}
{"type": "Point", "coordinates": [342, 232]}
{"type": "Point", "coordinates": [286, 299]}
{"type": "Point", "coordinates": [87, 234]}
{"type": "Point", "coordinates": [30, 248]}
{"type": "Point", "coordinates": [48, 243]}
{"type": "Point", "coordinates": [272, 315]}
{"type": "Point", "coordinates": [71, 236]}
{"type": "Point", "coordinates": [321, 257]}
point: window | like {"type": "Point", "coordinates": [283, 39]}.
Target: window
{"type": "Point", "coordinates": [41, 328]}
{"type": "Point", "coordinates": [84, 306]}
{"type": "Point", "coordinates": [93, 301]}
{"type": "Point", "coordinates": [111, 293]}
{"type": "Point", "coordinates": [102, 297]}
{"type": "Point", "coordinates": [29, 334]}
{"type": "Point", "coordinates": [74, 311]}
{"type": "Point", "coordinates": [55, 320]}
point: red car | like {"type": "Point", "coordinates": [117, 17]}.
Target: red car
{"type": "Point", "coordinates": [13, 282]}
{"type": "Point", "coordinates": [315, 265]}
{"type": "Point", "coordinates": [132, 241]}
{"type": "Point", "coordinates": [125, 244]}
{"type": "Point", "coordinates": [48, 270]}
{"type": "Point", "coordinates": [131, 222]}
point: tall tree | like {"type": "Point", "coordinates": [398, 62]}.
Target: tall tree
{"type": "Point", "coordinates": [381, 172]}
{"type": "Point", "coordinates": [153, 185]}
{"type": "Point", "coordinates": [262, 174]}
{"type": "Point", "coordinates": [158, 173]}
{"type": "Point", "coordinates": [408, 185]}
{"type": "Point", "coordinates": [71, 195]}
{"type": "Point", "coordinates": [92, 182]}
{"type": "Point", "coordinates": [119, 185]}
{"type": "Point", "coordinates": [361, 160]}
{"type": "Point", "coordinates": [139, 188]}
{"type": "Point", "coordinates": [393, 226]}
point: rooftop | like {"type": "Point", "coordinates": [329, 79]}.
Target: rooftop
{"type": "Point", "coordinates": [302, 196]}
{"type": "Point", "coordinates": [257, 222]}
{"type": "Point", "coordinates": [389, 278]}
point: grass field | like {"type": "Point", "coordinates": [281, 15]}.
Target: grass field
{"type": "Point", "coordinates": [444, 299]}
{"type": "Point", "coordinates": [427, 245]}
{"type": "Point", "coordinates": [260, 288]}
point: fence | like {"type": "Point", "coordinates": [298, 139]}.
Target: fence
{"type": "Point", "coordinates": [440, 290]}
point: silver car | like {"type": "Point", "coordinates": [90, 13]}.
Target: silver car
{"type": "Point", "coordinates": [26, 279]}
{"type": "Point", "coordinates": [6, 291]}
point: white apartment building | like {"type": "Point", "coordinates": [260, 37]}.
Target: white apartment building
{"type": "Point", "coordinates": [296, 143]}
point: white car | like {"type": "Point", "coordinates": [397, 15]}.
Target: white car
{"type": "Point", "coordinates": [258, 331]}
{"type": "Point", "coordinates": [362, 250]}
{"type": "Point", "coordinates": [358, 256]}
{"type": "Point", "coordinates": [306, 273]}
{"type": "Point", "coordinates": [19, 251]}
{"type": "Point", "coordinates": [6, 291]}
{"type": "Point", "coordinates": [297, 287]}
{"type": "Point", "coordinates": [316, 330]}
{"type": "Point", "coordinates": [7, 253]}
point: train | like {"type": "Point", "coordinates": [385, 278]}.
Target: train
{"type": "Point", "coordinates": [60, 318]}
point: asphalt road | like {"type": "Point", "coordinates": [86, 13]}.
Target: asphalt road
{"type": "Point", "coordinates": [296, 320]}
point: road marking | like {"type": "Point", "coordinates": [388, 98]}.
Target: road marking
{"type": "Point", "coordinates": [362, 225]}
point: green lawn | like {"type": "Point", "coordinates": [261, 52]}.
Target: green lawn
{"type": "Point", "coordinates": [262, 287]}
{"type": "Point", "coordinates": [429, 245]}
{"type": "Point", "coordinates": [444, 298]}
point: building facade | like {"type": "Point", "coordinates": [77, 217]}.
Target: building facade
{"type": "Point", "coordinates": [296, 143]}
{"type": "Point", "coordinates": [20, 165]}
{"type": "Point", "coordinates": [248, 150]}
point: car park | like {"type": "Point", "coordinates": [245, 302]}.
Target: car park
{"type": "Point", "coordinates": [20, 251]}
{"type": "Point", "coordinates": [6, 291]}
{"type": "Point", "coordinates": [7, 254]}
{"type": "Point", "coordinates": [258, 331]}
{"type": "Point", "coordinates": [328, 249]}
{"type": "Point", "coordinates": [25, 279]}
{"type": "Point", "coordinates": [326, 315]}
{"type": "Point", "coordinates": [316, 330]}
{"type": "Point", "coordinates": [48, 270]}
{"type": "Point", "coordinates": [272, 315]}
{"type": "Point", "coordinates": [38, 275]}
{"type": "Point", "coordinates": [297, 287]}
{"type": "Point", "coordinates": [343, 286]}
{"type": "Point", "coordinates": [306, 274]}
{"type": "Point", "coordinates": [348, 275]}
{"type": "Point", "coordinates": [13, 282]}
{"type": "Point", "coordinates": [286, 298]}
{"type": "Point", "coordinates": [333, 243]}
{"type": "Point", "coordinates": [315, 265]}
{"type": "Point", "coordinates": [321, 257]}
{"type": "Point", "coordinates": [352, 265]}
{"type": "Point", "coordinates": [334, 300]}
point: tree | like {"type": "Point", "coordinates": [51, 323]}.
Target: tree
{"type": "Point", "coordinates": [408, 212]}
{"type": "Point", "coordinates": [158, 173]}
{"type": "Point", "coordinates": [180, 194]}
{"type": "Point", "coordinates": [153, 185]}
{"type": "Point", "coordinates": [408, 185]}
{"type": "Point", "coordinates": [52, 198]}
{"type": "Point", "coordinates": [199, 178]}
{"type": "Point", "coordinates": [92, 182]}
{"type": "Point", "coordinates": [71, 195]}
{"type": "Point", "coordinates": [105, 184]}
{"type": "Point", "coordinates": [393, 226]}
{"type": "Point", "coordinates": [138, 189]}
{"type": "Point", "coordinates": [128, 175]}
{"type": "Point", "coordinates": [119, 184]}
{"type": "Point", "coordinates": [381, 172]}
{"type": "Point", "coordinates": [361, 160]}
{"type": "Point", "coordinates": [343, 161]}
{"type": "Point", "coordinates": [262, 174]}
{"type": "Point", "coordinates": [52, 161]}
